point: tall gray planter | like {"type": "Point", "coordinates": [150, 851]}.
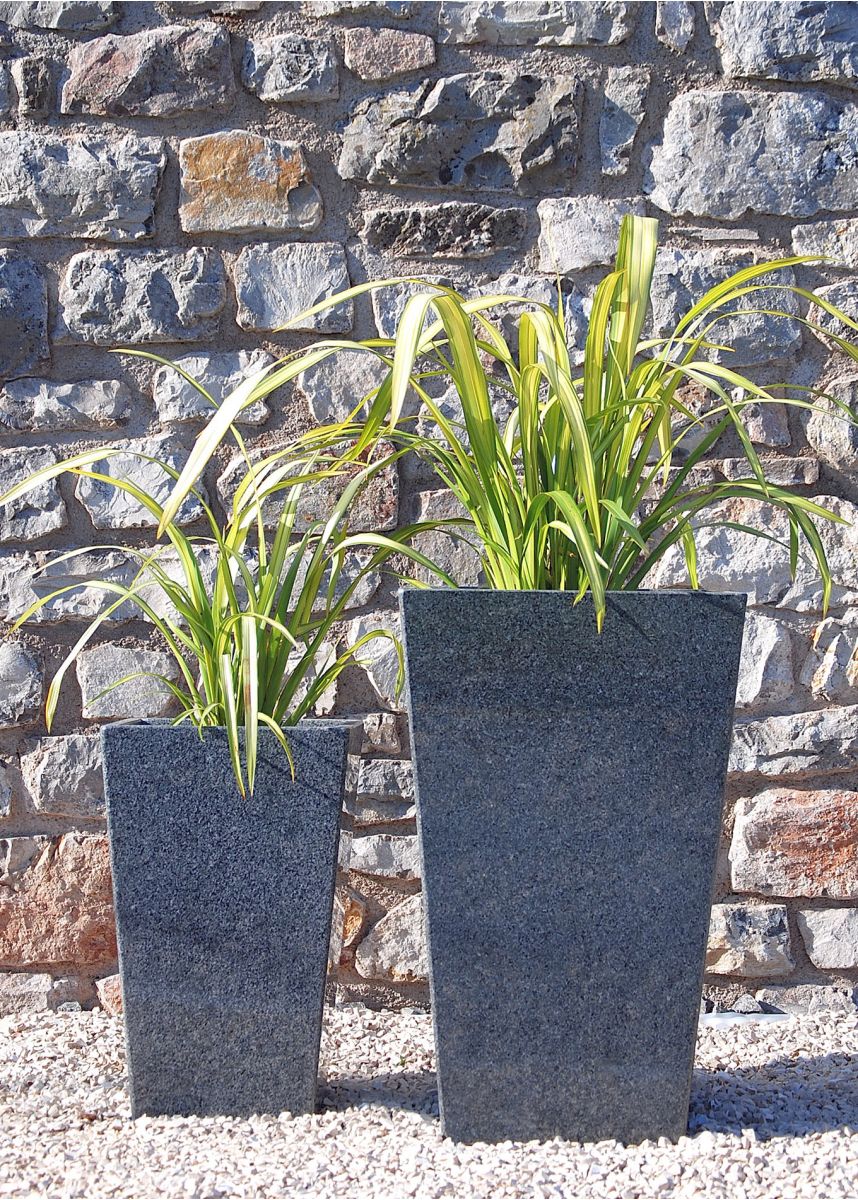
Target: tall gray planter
{"type": "Point", "coordinates": [570, 790]}
{"type": "Point", "coordinates": [223, 913]}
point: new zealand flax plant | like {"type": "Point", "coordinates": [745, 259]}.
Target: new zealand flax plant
{"type": "Point", "coordinates": [591, 479]}
{"type": "Point", "coordinates": [245, 610]}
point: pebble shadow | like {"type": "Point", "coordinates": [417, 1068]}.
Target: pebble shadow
{"type": "Point", "coordinates": [786, 1097]}
{"type": "Point", "coordinates": [413, 1091]}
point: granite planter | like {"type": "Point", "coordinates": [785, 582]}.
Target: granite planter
{"type": "Point", "coordinates": [570, 791]}
{"type": "Point", "coordinates": [223, 913]}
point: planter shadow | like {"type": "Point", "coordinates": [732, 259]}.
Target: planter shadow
{"type": "Point", "coordinates": [787, 1097]}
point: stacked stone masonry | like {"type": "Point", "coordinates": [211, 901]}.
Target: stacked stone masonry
{"type": "Point", "coordinates": [187, 177]}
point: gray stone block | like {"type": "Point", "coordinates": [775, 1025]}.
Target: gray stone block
{"type": "Point", "coordinates": [570, 790]}
{"type": "Point", "coordinates": [43, 406]}
{"type": "Point", "coordinates": [114, 296]}
{"type": "Point", "coordinates": [551, 23]}
{"type": "Point", "coordinates": [474, 131]}
{"type": "Point", "coordinates": [445, 230]}
{"type": "Point", "coordinates": [83, 187]}
{"type": "Point", "coordinates": [223, 968]}
{"type": "Point", "coordinates": [724, 154]}
{"type": "Point", "coordinates": [72, 16]}
{"type": "Point", "coordinates": [21, 684]}
{"type": "Point", "coordinates": [289, 67]}
{"type": "Point", "coordinates": [158, 72]}
{"type": "Point", "coordinates": [37, 512]}
{"type": "Point", "coordinates": [798, 42]}
{"type": "Point", "coordinates": [23, 315]}
{"type": "Point", "coordinates": [274, 284]}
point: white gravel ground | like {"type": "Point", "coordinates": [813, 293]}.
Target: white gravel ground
{"type": "Point", "coordinates": [773, 1115]}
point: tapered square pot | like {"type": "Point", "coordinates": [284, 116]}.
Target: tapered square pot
{"type": "Point", "coordinates": [570, 790]}
{"type": "Point", "coordinates": [223, 913]}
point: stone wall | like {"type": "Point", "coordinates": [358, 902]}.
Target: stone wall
{"type": "Point", "coordinates": [189, 176]}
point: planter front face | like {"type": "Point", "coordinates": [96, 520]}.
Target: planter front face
{"type": "Point", "coordinates": [223, 911]}
{"type": "Point", "coordinates": [570, 792]}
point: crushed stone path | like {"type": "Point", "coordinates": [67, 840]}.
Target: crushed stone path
{"type": "Point", "coordinates": [774, 1115]}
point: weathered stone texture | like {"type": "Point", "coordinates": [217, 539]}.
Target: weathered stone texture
{"type": "Point", "coordinates": [21, 684]}
{"type": "Point", "coordinates": [140, 463]}
{"type": "Point", "coordinates": [42, 406]}
{"type": "Point", "coordinates": [379, 657]}
{"type": "Point", "coordinates": [335, 386]}
{"type": "Point", "coordinates": [445, 230]}
{"type": "Point", "coordinates": [830, 936]}
{"type": "Point", "coordinates": [754, 336]}
{"type": "Point", "coordinates": [836, 239]}
{"type": "Point", "coordinates": [749, 940]}
{"type": "Point", "coordinates": [63, 776]}
{"type": "Point", "coordinates": [730, 560]}
{"type": "Point", "coordinates": [797, 843]}
{"type": "Point", "coordinates": [623, 111]}
{"type": "Point", "coordinates": [555, 23]}
{"type": "Point", "coordinates": [798, 41]}
{"type": "Point", "coordinates": [109, 991]}
{"type": "Point", "coordinates": [476, 131]}
{"type": "Point", "coordinates": [147, 695]}
{"type": "Point", "coordinates": [68, 16]}
{"type": "Point", "coordinates": [395, 949]}
{"type": "Point", "coordinates": [25, 992]}
{"type": "Point", "coordinates": [243, 182]}
{"type": "Point", "coordinates": [831, 432]}
{"type": "Point", "coordinates": [830, 669]}
{"type": "Point", "coordinates": [580, 232]}
{"type": "Point", "coordinates": [176, 400]}
{"type": "Point", "coordinates": [25, 578]}
{"type": "Point", "coordinates": [159, 72]}
{"type": "Point", "coordinates": [378, 54]}
{"type": "Point", "coordinates": [38, 511]}
{"type": "Point", "coordinates": [385, 792]}
{"type": "Point", "coordinates": [86, 187]}
{"type": "Point", "coordinates": [118, 296]}
{"type": "Point", "coordinates": [674, 24]}
{"type": "Point", "coordinates": [57, 909]}
{"type": "Point", "coordinates": [395, 856]}
{"type": "Point", "coordinates": [375, 506]}
{"type": "Point", "coordinates": [23, 315]}
{"type": "Point", "coordinates": [824, 740]}
{"type": "Point", "coordinates": [724, 154]}
{"type": "Point", "coordinates": [809, 999]}
{"type": "Point", "coordinates": [766, 670]}
{"type": "Point", "coordinates": [275, 284]}
{"type": "Point", "coordinates": [34, 83]}
{"type": "Point", "coordinates": [290, 68]}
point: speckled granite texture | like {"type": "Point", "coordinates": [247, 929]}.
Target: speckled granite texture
{"type": "Point", "coordinates": [570, 789]}
{"type": "Point", "coordinates": [223, 909]}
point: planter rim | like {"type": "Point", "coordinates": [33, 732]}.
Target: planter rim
{"type": "Point", "coordinates": [304, 723]}
{"type": "Point", "coordinates": [700, 593]}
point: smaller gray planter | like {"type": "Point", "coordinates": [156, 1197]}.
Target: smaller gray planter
{"type": "Point", "coordinates": [569, 796]}
{"type": "Point", "coordinates": [223, 913]}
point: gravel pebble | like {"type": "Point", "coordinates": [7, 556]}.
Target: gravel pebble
{"type": "Point", "coordinates": [774, 1109]}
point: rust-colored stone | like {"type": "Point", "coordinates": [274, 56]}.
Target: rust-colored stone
{"type": "Point", "coordinates": [243, 181]}
{"type": "Point", "coordinates": [788, 842]}
{"type": "Point", "coordinates": [109, 991]}
{"type": "Point", "coordinates": [355, 915]}
{"type": "Point", "coordinates": [58, 910]}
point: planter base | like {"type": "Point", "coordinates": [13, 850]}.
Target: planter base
{"type": "Point", "coordinates": [570, 791]}
{"type": "Point", "coordinates": [223, 910]}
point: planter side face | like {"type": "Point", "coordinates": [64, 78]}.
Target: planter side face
{"type": "Point", "coordinates": [223, 912]}
{"type": "Point", "coordinates": [570, 792]}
